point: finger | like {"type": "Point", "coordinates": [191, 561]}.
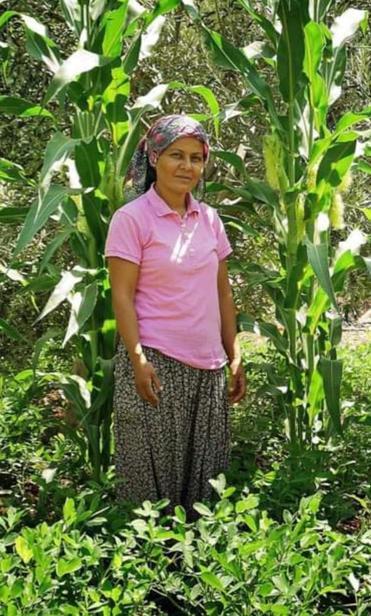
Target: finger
{"type": "Point", "coordinates": [156, 381]}
{"type": "Point", "coordinates": [152, 395]}
{"type": "Point", "coordinates": [240, 389]}
{"type": "Point", "coordinates": [146, 393]}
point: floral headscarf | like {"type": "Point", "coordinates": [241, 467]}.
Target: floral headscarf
{"type": "Point", "coordinates": [162, 133]}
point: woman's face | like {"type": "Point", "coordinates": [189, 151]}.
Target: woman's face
{"type": "Point", "coordinates": [180, 166]}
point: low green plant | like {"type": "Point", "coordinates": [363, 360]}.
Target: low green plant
{"type": "Point", "coordinates": [235, 559]}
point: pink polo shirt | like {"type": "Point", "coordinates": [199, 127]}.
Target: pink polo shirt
{"type": "Point", "coordinates": [176, 299]}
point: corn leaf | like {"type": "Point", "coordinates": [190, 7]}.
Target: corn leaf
{"type": "Point", "coordinates": [331, 371]}
{"type": "Point", "coordinates": [231, 58]}
{"type": "Point", "coordinates": [14, 105]}
{"type": "Point", "coordinates": [87, 157]}
{"type": "Point", "coordinates": [337, 159]}
{"type": "Point", "coordinates": [69, 279]}
{"type": "Point", "coordinates": [318, 258]}
{"type": "Point", "coordinates": [82, 306]}
{"type": "Point", "coordinates": [346, 25]}
{"type": "Point", "coordinates": [41, 209]}
{"type": "Point", "coordinates": [114, 25]}
{"type": "Point", "coordinates": [57, 151]}
{"type": "Point", "coordinates": [79, 62]}
{"type": "Point", "coordinates": [247, 323]}
{"type": "Point", "coordinates": [290, 53]}
{"type": "Point", "coordinates": [12, 172]}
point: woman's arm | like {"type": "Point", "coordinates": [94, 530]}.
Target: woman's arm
{"type": "Point", "coordinates": [237, 384]}
{"type": "Point", "coordinates": [123, 277]}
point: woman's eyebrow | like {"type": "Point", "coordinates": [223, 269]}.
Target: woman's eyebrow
{"type": "Point", "coordinates": [182, 151]}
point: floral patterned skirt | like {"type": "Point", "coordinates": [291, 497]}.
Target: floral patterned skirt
{"type": "Point", "coordinates": [172, 450]}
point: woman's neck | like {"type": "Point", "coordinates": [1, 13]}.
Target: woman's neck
{"type": "Point", "coordinates": [175, 201]}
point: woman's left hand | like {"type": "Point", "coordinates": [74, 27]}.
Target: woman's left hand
{"type": "Point", "coordinates": [237, 382]}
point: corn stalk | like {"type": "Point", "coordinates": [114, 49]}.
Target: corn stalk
{"type": "Point", "coordinates": [80, 183]}
{"type": "Point", "coordinates": [308, 161]}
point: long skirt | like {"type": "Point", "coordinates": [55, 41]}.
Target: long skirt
{"type": "Point", "coordinates": [172, 450]}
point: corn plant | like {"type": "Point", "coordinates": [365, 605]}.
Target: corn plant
{"type": "Point", "coordinates": [308, 159]}
{"type": "Point", "coordinates": [95, 129]}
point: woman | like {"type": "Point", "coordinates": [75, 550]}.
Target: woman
{"type": "Point", "coordinates": [176, 318]}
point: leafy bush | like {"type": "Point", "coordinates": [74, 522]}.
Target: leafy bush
{"type": "Point", "coordinates": [234, 559]}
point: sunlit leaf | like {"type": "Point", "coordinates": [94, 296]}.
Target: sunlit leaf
{"type": "Point", "coordinates": [346, 25]}
{"type": "Point", "coordinates": [82, 306]}
{"type": "Point", "coordinates": [318, 258]}
{"type": "Point", "coordinates": [13, 105]}
{"type": "Point", "coordinates": [69, 279]}
{"type": "Point", "coordinates": [81, 61]}
{"type": "Point", "coordinates": [41, 209]}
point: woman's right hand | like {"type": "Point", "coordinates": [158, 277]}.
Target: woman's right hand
{"type": "Point", "coordinates": [147, 382]}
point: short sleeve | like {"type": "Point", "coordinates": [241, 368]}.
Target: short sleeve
{"type": "Point", "coordinates": [224, 247]}
{"type": "Point", "coordinates": [124, 238]}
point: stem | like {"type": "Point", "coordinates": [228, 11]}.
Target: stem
{"type": "Point", "coordinates": [291, 161]}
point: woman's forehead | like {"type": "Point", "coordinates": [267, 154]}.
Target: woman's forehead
{"type": "Point", "coordinates": [187, 144]}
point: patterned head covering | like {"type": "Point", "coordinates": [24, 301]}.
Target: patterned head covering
{"type": "Point", "coordinates": [161, 134]}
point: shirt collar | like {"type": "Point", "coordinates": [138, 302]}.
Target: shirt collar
{"type": "Point", "coordinates": [161, 207]}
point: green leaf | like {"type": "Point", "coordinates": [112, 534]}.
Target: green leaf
{"type": "Point", "coordinates": [57, 151]}
{"type": "Point", "coordinates": [261, 191]}
{"type": "Point", "coordinates": [39, 45]}
{"type": "Point", "coordinates": [232, 159]}
{"type": "Point", "coordinates": [331, 371]}
{"type": "Point", "coordinates": [11, 331]}
{"type": "Point", "coordinates": [334, 74]}
{"type": "Point", "coordinates": [364, 167]}
{"type": "Point", "coordinates": [39, 345]}
{"type": "Point", "coordinates": [318, 258]}
{"type": "Point", "coordinates": [87, 158]}
{"type": "Point", "coordinates": [231, 58]}
{"type": "Point", "coordinates": [212, 103]}
{"type": "Point", "coordinates": [212, 580]}
{"type": "Point", "coordinates": [79, 62]}
{"type": "Point", "coordinates": [262, 21]}
{"type": "Point", "coordinates": [346, 25]}
{"type": "Point", "coordinates": [314, 44]}
{"type": "Point", "coordinates": [151, 36]}
{"type": "Point", "coordinates": [290, 53]}
{"type": "Point", "coordinates": [218, 484]}
{"type": "Point", "coordinates": [23, 549]}
{"type": "Point", "coordinates": [82, 306]}
{"type": "Point", "coordinates": [131, 58]}
{"type": "Point", "coordinates": [13, 215]}
{"type": "Point", "coordinates": [13, 105]}
{"type": "Point", "coordinates": [191, 9]}
{"type": "Point", "coordinates": [202, 509]}
{"type": "Point", "coordinates": [315, 396]}
{"type": "Point", "coordinates": [69, 510]}
{"type": "Point", "coordinates": [248, 503]}
{"type": "Point", "coordinates": [114, 24]}
{"type": "Point", "coordinates": [40, 211]}
{"type": "Point", "coordinates": [128, 148]}
{"type": "Point", "coordinates": [337, 160]}
{"type": "Point", "coordinates": [53, 246]}
{"type": "Point", "coordinates": [247, 323]}
{"type": "Point", "coordinates": [4, 18]}
{"type": "Point", "coordinates": [11, 172]}
{"type": "Point", "coordinates": [71, 10]}
{"type": "Point", "coordinates": [350, 118]}
{"type": "Point", "coordinates": [164, 6]}
{"type": "Point", "coordinates": [67, 282]}
{"type": "Point", "coordinates": [65, 566]}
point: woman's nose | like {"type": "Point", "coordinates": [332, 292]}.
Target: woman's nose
{"type": "Point", "coordinates": [187, 163]}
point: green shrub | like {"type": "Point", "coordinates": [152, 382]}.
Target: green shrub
{"type": "Point", "coordinates": [234, 559]}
